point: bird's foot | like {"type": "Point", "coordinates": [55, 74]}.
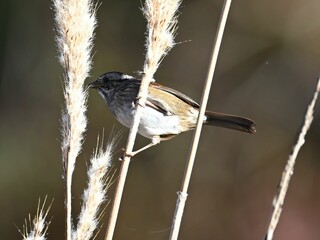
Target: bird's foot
{"type": "Point", "coordinates": [155, 140]}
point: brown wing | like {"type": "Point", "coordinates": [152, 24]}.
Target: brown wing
{"type": "Point", "coordinates": [176, 93]}
{"type": "Point", "coordinates": [168, 101]}
{"type": "Point", "coordinates": [159, 105]}
{"type": "Point", "coordinates": [158, 99]}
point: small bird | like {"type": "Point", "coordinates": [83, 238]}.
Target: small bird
{"type": "Point", "coordinates": [166, 113]}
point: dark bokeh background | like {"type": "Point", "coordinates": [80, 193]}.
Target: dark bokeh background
{"type": "Point", "coordinates": [267, 70]}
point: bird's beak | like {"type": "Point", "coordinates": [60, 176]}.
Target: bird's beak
{"type": "Point", "coordinates": [94, 84]}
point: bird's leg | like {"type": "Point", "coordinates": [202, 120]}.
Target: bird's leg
{"type": "Point", "coordinates": [154, 141]}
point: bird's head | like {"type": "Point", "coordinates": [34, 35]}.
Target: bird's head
{"type": "Point", "coordinates": [109, 83]}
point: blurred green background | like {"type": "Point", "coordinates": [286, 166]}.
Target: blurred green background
{"type": "Point", "coordinates": [267, 70]}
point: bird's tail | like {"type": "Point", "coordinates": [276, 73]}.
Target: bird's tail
{"type": "Point", "coordinates": [230, 121]}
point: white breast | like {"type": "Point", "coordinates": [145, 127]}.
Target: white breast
{"type": "Point", "coordinates": [152, 122]}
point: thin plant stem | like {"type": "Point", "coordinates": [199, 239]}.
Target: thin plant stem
{"type": "Point", "coordinates": [182, 195]}
{"type": "Point", "coordinates": [117, 198]}
{"type": "Point", "coordinates": [288, 170]}
{"type": "Point", "coordinates": [161, 22]}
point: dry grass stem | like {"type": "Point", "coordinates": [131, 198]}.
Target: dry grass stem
{"type": "Point", "coordinates": [161, 19]}
{"type": "Point", "coordinates": [94, 194]}
{"type": "Point", "coordinates": [36, 229]}
{"type": "Point", "coordinates": [182, 195]}
{"type": "Point", "coordinates": [288, 171]}
{"type": "Point", "coordinates": [75, 23]}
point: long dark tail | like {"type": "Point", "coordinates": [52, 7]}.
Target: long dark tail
{"type": "Point", "coordinates": [230, 121]}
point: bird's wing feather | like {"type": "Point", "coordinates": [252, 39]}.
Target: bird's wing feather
{"type": "Point", "coordinates": [159, 105]}
{"type": "Point", "coordinates": [176, 93]}
{"type": "Point", "coordinates": [158, 92]}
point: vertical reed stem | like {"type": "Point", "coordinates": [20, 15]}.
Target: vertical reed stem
{"type": "Point", "coordinates": [182, 195]}
{"type": "Point", "coordinates": [161, 21]}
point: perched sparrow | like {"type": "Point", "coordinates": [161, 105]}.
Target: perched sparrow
{"type": "Point", "coordinates": [167, 112]}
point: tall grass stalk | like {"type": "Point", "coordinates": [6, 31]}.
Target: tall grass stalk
{"type": "Point", "coordinates": [182, 195]}
{"type": "Point", "coordinates": [288, 170]}
{"type": "Point", "coordinates": [161, 25]}
{"type": "Point", "coordinates": [75, 24]}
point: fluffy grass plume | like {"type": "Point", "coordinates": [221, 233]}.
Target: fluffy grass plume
{"type": "Point", "coordinates": [75, 21]}
{"type": "Point", "coordinates": [75, 24]}
{"type": "Point", "coordinates": [95, 193]}
{"type": "Point", "coordinates": [161, 27]}
{"type": "Point", "coordinates": [36, 229]}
